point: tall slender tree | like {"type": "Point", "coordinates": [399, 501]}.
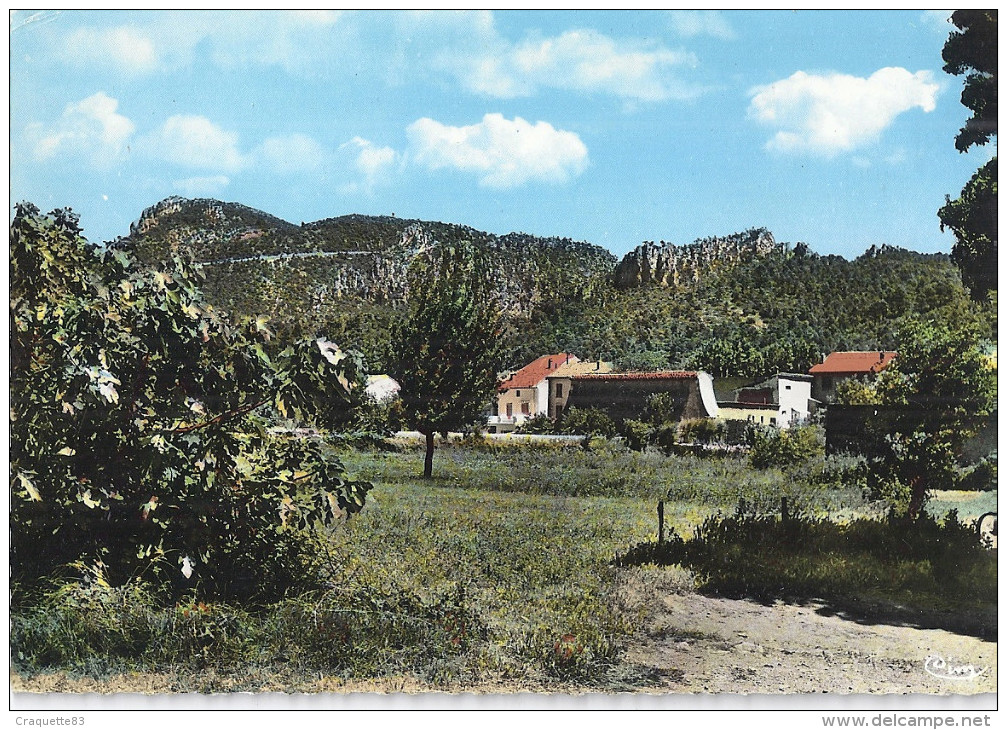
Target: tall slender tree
{"type": "Point", "coordinates": [445, 353]}
{"type": "Point", "coordinates": [972, 51]}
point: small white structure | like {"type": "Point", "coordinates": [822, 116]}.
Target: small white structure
{"type": "Point", "coordinates": [381, 388]}
{"type": "Point", "coordinates": [783, 400]}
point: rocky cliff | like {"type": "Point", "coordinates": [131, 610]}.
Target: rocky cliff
{"type": "Point", "coordinates": [666, 264]}
{"type": "Point", "coordinates": [255, 262]}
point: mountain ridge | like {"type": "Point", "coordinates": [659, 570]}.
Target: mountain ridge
{"type": "Point", "coordinates": [741, 304]}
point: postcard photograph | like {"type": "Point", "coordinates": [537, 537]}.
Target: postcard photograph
{"type": "Point", "coordinates": [510, 354]}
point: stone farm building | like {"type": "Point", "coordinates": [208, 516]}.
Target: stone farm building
{"type": "Point", "coordinates": [625, 395]}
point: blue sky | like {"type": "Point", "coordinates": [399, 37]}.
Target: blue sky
{"type": "Point", "coordinates": [833, 128]}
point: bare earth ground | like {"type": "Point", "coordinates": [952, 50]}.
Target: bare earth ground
{"type": "Point", "coordinates": [743, 647]}
{"type": "Point", "coordinates": [692, 644]}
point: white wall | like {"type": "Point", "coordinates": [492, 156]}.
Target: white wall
{"type": "Point", "coordinates": [793, 401]}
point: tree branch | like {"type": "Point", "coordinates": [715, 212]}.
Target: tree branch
{"type": "Point", "coordinates": [227, 415]}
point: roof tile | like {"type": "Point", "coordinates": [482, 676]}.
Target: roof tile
{"type": "Point", "coordinates": [854, 363]}
{"type": "Point", "coordinates": [536, 371]}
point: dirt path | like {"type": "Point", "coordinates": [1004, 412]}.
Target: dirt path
{"type": "Point", "coordinates": [718, 645]}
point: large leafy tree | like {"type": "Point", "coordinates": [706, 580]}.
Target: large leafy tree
{"type": "Point", "coordinates": [138, 423]}
{"type": "Point", "coordinates": [445, 353]}
{"type": "Point", "coordinates": [972, 51]}
{"type": "Point", "coordinates": [942, 386]}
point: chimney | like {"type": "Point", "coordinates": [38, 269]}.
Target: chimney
{"type": "Point", "coordinates": [549, 366]}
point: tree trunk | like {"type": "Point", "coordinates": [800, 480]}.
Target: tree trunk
{"type": "Point", "coordinates": [428, 461]}
{"type": "Point", "coordinates": [918, 498]}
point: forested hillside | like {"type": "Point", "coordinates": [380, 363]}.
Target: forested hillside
{"type": "Point", "coordinates": [741, 304]}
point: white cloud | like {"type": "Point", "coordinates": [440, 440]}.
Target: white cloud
{"type": "Point", "coordinates": [689, 23]}
{"type": "Point", "coordinates": [195, 141]}
{"type": "Point", "coordinates": [579, 60]}
{"type": "Point", "coordinates": [374, 163]}
{"type": "Point", "coordinates": [91, 127]}
{"type": "Point", "coordinates": [295, 153]}
{"type": "Point", "coordinates": [504, 153]}
{"type": "Point", "coordinates": [835, 113]}
{"type": "Point", "coordinates": [124, 48]}
{"type": "Point", "coordinates": [297, 40]}
{"type": "Point", "coordinates": [466, 46]}
{"type": "Point", "coordinates": [195, 186]}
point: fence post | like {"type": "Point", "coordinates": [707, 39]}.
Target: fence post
{"type": "Point", "coordinates": [660, 522]}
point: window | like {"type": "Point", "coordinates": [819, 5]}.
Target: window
{"type": "Point", "coordinates": [510, 410]}
{"type": "Point", "coordinates": [559, 390]}
{"type": "Point", "coordinates": [524, 408]}
{"type": "Point", "coordinates": [787, 387]}
{"type": "Point", "coordinates": [519, 394]}
{"type": "Point", "coordinates": [772, 421]}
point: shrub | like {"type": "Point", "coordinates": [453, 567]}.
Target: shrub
{"type": "Point", "coordinates": [940, 568]}
{"type": "Point", "coordinates": [662, 408]}
{"type": "Point", "coordinates": [588, 422]}
{"type": "Point", "coordinates": [636, 434]}
{"type": "Point", "coordinates": [701, 431]}
{"type": "Point", "coordinates": [785, 447]}
{"type": "Point", "coordinates": [981, 477]}
{"type": "Point", "coordinates": [665, 437]}
{"type": "Point", "coordinates": [540, 423]}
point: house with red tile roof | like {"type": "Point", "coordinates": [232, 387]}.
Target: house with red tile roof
{"type": "Point", "coordinates": [839, 366]}
{"type": "Point", "coordinates": [524, 394]}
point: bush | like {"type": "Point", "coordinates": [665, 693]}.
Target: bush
{"type": "Point", "coordinates": [587, 422]}
{"type": "Point", "coordinates": [940, 570]}
{"type": "Point", "coordinates": [785, 447]}
{"type": "Point", "coordinates": [540, 423]}
{"type": "Point", "coordinates": [982, 477]}
{"type": "Point", "coordinates": [701, 431]}
{"type": "Point", "coordinates": [636, 434]}
{"type": "Point", "coordinates": [665, 437]}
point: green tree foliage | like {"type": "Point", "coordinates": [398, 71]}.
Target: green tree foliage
{"type": "Point", "coordinates": [137, 423]}
{"type": "Point", "coordinates": [857, 392]}
{"type": "Point", "coordinates": [972, 51]}
{"type": "Point", "coordinates": [945, 386]}
{"type": "Point", "coordinates": [445, 353]}
{"type": "Point", "coordinates": [973, 219]}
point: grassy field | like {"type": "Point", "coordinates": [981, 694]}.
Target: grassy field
{"type": "Point", "coordinates": [498, 572]}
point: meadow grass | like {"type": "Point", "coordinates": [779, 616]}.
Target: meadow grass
{"type": "Point", "coordinates": [499, 571]}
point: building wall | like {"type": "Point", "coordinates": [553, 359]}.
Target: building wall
{"type": "Point", "coordinates": [520, 400]}
{"type": "Point", "coordinates": [559, 394]}
{"type": "Point", "coordinates": [793, 396]}
{"type": "Point", "coordinates": [761, 415]}
{"type": "Point", "coordinates": [541, 399]}
{"type": "Point", "coordinates": [624, 399]}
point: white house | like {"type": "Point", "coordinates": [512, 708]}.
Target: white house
{"type": "Point", "coordinates": [783, 400]}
